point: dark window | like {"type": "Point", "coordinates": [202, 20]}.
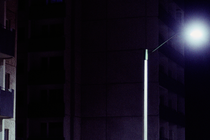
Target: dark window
{"type": "Point", "coordinates": [161, 68]}
{"type": "Point", "coordinates": [38, 2]}
{"type": "Point", "coordinates": [56, 63]}
{"type": "Point", "coordinates": [43, 129]}
{"type": "Point", "coordinates": [53, 1]}
{"type": "Point", "coordinates": [44, 63]}
{"type": "Point", "coordinates": [56, 30]}
{"type": "Point", "coordinates": [21, 33]}
{"type": "Point", "coordinates": [6, 134]}
{"type": "Point", "coordinates": [44, 31]}
{"type": "Point", "coordinates": [170, 134]}
{"type": "Point", "coordinates": [21, 5]}
{"type": "Point", "coordinates": [170, 103]}
{"type": "Point", "coordinates": [7, 81]}
{"type": "Point", "coordinates": [161, 100]}
{"type": "Point", "coordinates": [161, 133]}
{"type": "Point", "coordinates": [169, 73]}
{"type": "Point", "coordinates": [55, 96]}
{"type": "Point", "coordinates": [179, 15]}
{"type": "Point", "coordinates": [20, 130]}
{"type": "Point", "coordinates": [8, 24]}
{"type": "Point", "coordinates": [20, 66]}
{"type": "Point", "coordinates": [56, 129]}
{"type": "Point", "coordinates": [21, 97]}
{"type": "Point", "coordinates": [43, 97]}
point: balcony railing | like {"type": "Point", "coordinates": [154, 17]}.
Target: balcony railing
{"type": "Point", "coordinates": [6, 103]}
{"type": "Point", "coordinates": [171, 53]}
{"type": "Point", "coordinates": [7, 43]}
{"type": "Point", "coordinates": [171, 84]}
{"type": "Point", "coordinates": [171, 115]}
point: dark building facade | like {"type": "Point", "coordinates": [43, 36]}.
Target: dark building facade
{"type": "Point", "coordinates": [80, 70]}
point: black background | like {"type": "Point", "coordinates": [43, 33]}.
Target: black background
{"type": "Point", "coordinates": [197, 77]}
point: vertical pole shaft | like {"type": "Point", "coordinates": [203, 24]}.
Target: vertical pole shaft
{"type": "Point", "coordinates": [145, 121]}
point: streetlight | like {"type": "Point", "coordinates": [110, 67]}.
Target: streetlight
{"type": "Point", "coordinates": [195, 34]}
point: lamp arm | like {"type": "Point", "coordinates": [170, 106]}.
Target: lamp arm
{"type": "Point", "coordinates": [164, 43]}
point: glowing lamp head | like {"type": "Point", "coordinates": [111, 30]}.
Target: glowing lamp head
{"type": "Point", "coordinates": [196, 34]}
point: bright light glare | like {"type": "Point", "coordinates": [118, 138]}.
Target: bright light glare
{"type": "Point", "coordinates": [196, 34]}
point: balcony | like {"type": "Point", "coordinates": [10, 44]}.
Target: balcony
{"type": "Point", "coordinates": [45, 110]}
{"type": "Point", "coordinates": [168, 19]}
{"type": "Point", "coordinates": [46, 44]}
{"type": "Point", "coordinates": [6, 103]}
{"type": "Point", "coordinates": [171, 84]}
{"type": "Point", "coordinates": [171, 53]}
{"type": "Point", "coordinates": [42, 11]}
{"type": "Point", "coordinates": [38, 77]}
{"type": "Point", "coordinates": [171, 115]}
{"type": "Point", "coordinates": [7, 43]}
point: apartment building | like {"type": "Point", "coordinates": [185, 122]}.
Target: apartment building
{"type": "Point", "coordinates": [80, 70]}
{"type": "Point", "coordinates": [8, 18]}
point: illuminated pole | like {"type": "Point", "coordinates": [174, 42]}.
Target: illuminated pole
{"type": "Point", "coordinates": [145, 121]}
{"type": "Point", "coordinates": [145, 110]}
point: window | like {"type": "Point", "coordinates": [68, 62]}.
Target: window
{"type": "Point", "coordinates": [44, 63]}
{"type": "Point", "coordinates": [21, 33]}
{"type": "Point", "coordinates": [170, 73]}
{"type": "Point", "coordinates": [161, 68]}
{"type": "Point", "coordinates": [53, 1]}
{"type": "Point", "coordinates": [51, 129]}
{"type": "Point", "coordinates": [7, 81]}
{"type": "Point", "coordinates": [8, 24]}
{"type": "Point", "coordinates": [161, 100]}
{"type": "Point", "coordinates": [20, 66]}
{"type": "Point", "coordinates": [51, 96]}
{"type": "Point", "coordinates": [161, 133]}
{"type": "Point", "coordinates": [43, 129]}
{"type": "Point", "coordinates": [179, 15]}
{"type": "Point", "coordinates": [21, 5]}
{"type": "Point", "coordinates": [170, 103]}
{"type": "Point", "coordinates": [44, 30]}
{"type": "Point", "coordinates": [56, 30]}
{"type": "Point", "coordinates": [6, 134]}
{"type": "Point", "coordinates": [171, 134]}
{"type": "Point", "coordinates": [56, 129]}
{"type": "Point", "coordinates": [20, 130]}
{"type": "Point", "coordinates": [54, 63]}
{"type": "Point", "coordinates": [44, 96]}
{"type": "Point", "coordinates": [56, 96]}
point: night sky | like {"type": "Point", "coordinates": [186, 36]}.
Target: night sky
{"type": "Point", "coordinates": [197, 74]}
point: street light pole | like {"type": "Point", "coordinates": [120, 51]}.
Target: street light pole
{"type": "Point", "coordinates": [196, 34]}
{"type": "Point", "coordinates": [145, 121]}
{"type": "Point", "coordinates": [145, 110]}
